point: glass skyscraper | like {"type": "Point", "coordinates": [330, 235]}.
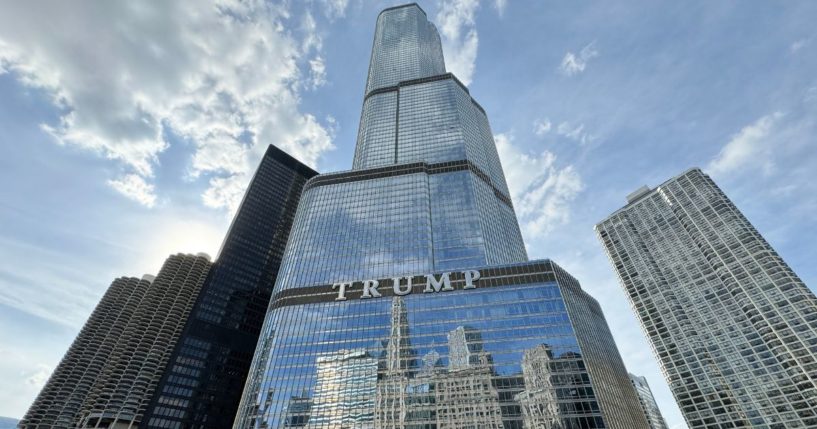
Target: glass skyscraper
{"type": "Point", "coordinates": [202, 381]}
{"type": "Point", "coordinates": [734, 328]}
{"type": "Point", "coordinates": [648, 403]}
{"type": "Point", "coordinates": [405, 298]}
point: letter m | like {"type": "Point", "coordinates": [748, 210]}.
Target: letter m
{"type": "Point", "coordinates": [434, 285]}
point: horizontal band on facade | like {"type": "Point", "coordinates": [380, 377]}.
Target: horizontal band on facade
{"type": "Point", "coordinates": [403, 169]}
{"type": "Point", "coordinates": [533, 272]}
{"type": "Point", "coordinates": [422, 80]}
{"type": "Point", "coordinates": [402, 6]}
{"type": "Point", "coordinates": [417, 81]}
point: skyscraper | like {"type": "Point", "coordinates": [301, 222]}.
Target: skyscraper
{"type": "Point", "coordinates": [111, 370]}
{"type": "Point", "coordinates": [415, 258]}
{"type": "Point", "coordinates": [648, 404]}
{"type": "Point", "coordinates": [202, 382]}
{"type": "Point", "coordinates": [61, 398]}
{"type": "Point", "coordinates": [734, 328]}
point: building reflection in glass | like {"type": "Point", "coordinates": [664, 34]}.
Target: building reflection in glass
{"type": "Point", "coordinates": [555, 387]}
{"type": "Point", "coordinates": [298, 412]}
{"type": "Point", "coordinates": [539, 405]}
{"type": "Point", "coordinates": [466, 396]}
{"type": "Point", "coordinates": [459, 396]}
{"type": "Point", "coordinates": [344, 390]}
{"type": "Point", "coordinates": [499, 356]}
{"type": "Point", "coordinates": [396, 365]}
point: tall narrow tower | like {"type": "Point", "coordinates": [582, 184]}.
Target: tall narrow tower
{"type": "Point", "coordinates": [426, 191]}
{"type": "Point", "coordinates": [415, 258]}
{"type": "Point", "coordinates": [734, 328]}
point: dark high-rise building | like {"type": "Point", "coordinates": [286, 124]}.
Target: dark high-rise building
{"type": "Point", "coordinates": [405, 298]}
{"type": "Point", "coordinates": [111, 370]}
{"type": "Point", "coordinates": [203, 380]}
{"type": "Point", "coordinates": [733, 327]}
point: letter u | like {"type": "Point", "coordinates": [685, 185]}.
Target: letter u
{"type": "Point", "coordinates": [398, 290]}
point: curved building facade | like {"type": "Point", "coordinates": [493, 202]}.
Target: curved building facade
{"type": "Point", "coordinates": [128, 380]}
{"type": "Point", "coordinates": [109, 374]}
{"type": "Point", "coordinates": [406, 46]}
{"type": "Point", "coordinates": [405, 298]}
{"type": "Point", "coordinates": [59, 401]}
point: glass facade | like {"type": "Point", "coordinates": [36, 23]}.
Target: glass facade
{"type": "Point", "coordinates": [358, 334]}
{"type": "Point", "coordinates": [647, 401]}
{"type": "Point", "coordinates": [504, 354]}
{"type": "Point", "coordinates": [385, 222]}
{"type": "Point", "coordinates": [406, 46]}
{"type": "Point", "coordinates": [734, 328]}
{"type": "Point", "coordinates": [201, 384]}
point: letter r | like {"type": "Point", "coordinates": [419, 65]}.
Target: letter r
{"type": "Point", "coordinates": [370, 289]}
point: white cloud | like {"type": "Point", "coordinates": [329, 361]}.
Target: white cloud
{"type": "Point", "coordinates": [26, 364]}
{"type": "Point", "coordinates": [225, 77]}
{"type": "Point", "coordinates": [225, 192]}
{"type": "Point", "coordinates": [541, 127]}
{"type": "Point", "coordinates": [39, 376]}
{"type": "Point", "coordinates": [574, 132]}
{"type": "Point", "coordinates": [541, 190]}
{"type": "Point", "coordinates": [332, 126]}
{"type": "Point", "coordinates": [335, 8]}
{"type": "Point", "coordinates": [136, 188]}
{"type": "Point", "coordinates": [576, 63]}
{"type": "Point", "coordinates": [749, 147]}
{"type": "Point", "coordinates": [317, 72]}
{"type": "Point", "coordinates": [798, 45]}
{"type": "Point", "coordinates": [500, 6]}
{"type": "Point", "coordinates": [456, 22]}
{"type": "Point", "coordinates": [311, 38]}
{"type": "Point", "coordinates": [175, 234]}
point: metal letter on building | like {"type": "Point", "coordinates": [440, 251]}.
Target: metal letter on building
{"type": "Point", "coordinates": [370, 289]}
{"type": "Point", "coordinates": [341, 290]}
{"type": "Point", "coordinates": [434, 285]}
{"type": "Point", "coordinates": [398, 290]}
{"type": "Point", "coordinates": [470, 277]}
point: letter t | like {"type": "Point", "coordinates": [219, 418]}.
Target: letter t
{"type": "Point", "coordinates": [342, 291]}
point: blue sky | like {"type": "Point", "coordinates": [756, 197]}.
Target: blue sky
{"type": "Point", "coordinates": [129, 130]}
